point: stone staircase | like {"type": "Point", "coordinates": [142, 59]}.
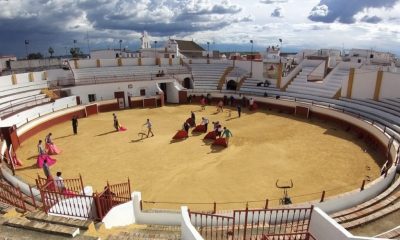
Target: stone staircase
{"type": "Point", "coordinates": [161, 232]}
{"type": "Point", "coordinates": [51, 225]}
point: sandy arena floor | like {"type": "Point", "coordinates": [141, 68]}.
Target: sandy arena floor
{"type": "Point", "coordinates": [266, 146]}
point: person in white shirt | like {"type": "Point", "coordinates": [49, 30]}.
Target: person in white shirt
{"type": "Point", "coordinates": [204, 121]}
{"type": "Point", "coordinates": [59, 182]}
{"type": "Point", "coordinates": [149, 126]}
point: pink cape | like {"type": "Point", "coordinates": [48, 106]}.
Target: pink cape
{"type": "Point", "coordinates": [41, 158]}
{"type": "Point", "coordinates": [122, 128]}
{"type": "Point", "coordinates": [52, 149]}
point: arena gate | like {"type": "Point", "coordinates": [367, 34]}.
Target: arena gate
{"type": "Point", "coordinates": [68, 198]}
{"type": "Point", "coordinates": [264, 224]}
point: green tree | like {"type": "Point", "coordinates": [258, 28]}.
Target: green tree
{"type": "Point", "coordinates": [51, 51]}
{"type": "Point", "coordinates": [35, 56]}
{"type": "Point", "coordinates": [75, 52]}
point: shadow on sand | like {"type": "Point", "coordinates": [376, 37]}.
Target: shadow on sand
{"type": "Point", "coordinates": [106, 133]}
{"type": "Point", "coordinates": [177, 140]}
{"type": "Point", "coordinates": [63, 136]}
{"type": "Point", "coordinates": [216, 148]}
{"type": "Point", "coordinates": [33, 166]}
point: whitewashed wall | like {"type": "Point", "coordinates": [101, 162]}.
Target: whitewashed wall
{"type": "Point", "coordinates": [85, 63]}
{"type": "Point", "coordinates": [390, 87]}
{"type": "Point", "coordinates": [129, 61]}
{"type": "Point", "coordinates": [323, 227]}
{"type": "Point", "coordinates": [364, 84]}
{"type": "Point", "coordinates": [35, 112]}
{"type": "Point", "coordinates": [109, 62]}
{"type": "Point", "coordinates": [106, 91]}
{"type": "Point", "coordinates": [258, 68]}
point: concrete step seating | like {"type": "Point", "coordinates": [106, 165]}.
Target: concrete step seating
{"type": "Point", "coordinates": [373, 104]}
{"type": "Point", "coordinates": [18, 101]}
{"type": "Point", "coordinates": [207, 76]}
{"type": "Point", "coordinates": [394, 101]}
{"type": "Point", "coordinates": [371, 216]}
{"type": "Point", "coordinates": [21, 88]}
{"type": "Point", "coordinates": [27, 103]}
{"type": "Point", "coordinates": [391, 234]}
{"type": "Point", "coordinates": [70, 222]}
{"type": "Point", "coordinates": [251, 83]}
{"type": "Point", "coordinates": [123, 71]}
{"type": "Point", "coordinates": [43, 227]}
{"type": "Point", "coordinates": [19, 95]}
{"type": "Point", "coordinates": [328, 88]}
{"type": "Point", "coordinates": [149, 232]}
{"type": "Point", "coordinates": [371, 210]}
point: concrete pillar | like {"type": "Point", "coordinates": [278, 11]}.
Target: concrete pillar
{"type": "Point", "coordinates": [378, 85]}
{"type": "Point", "coordinates": [76, 64]}
{"type": "Point", "coordinates": [279, 77]}
{"type": "Point", "coordinates": [31, 77]}
{"type": "Point", "coordinates": [14, 79]}
{"type": "Point", "coordinates": [350, 83]}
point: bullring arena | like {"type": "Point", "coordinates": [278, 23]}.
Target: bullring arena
{"type": "Point", "coordinates": [266, 146]}
{"type": "Point", "coordinates": [310, 160]}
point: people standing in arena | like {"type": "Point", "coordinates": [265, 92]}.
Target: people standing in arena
{"type": "Point", "coordinates": [204, 121]}
{"type": "Point", "coordinates": [46, 169]}
{"type": "Point", "coordinates": [239, 109]}
{"type": "Point", "coordinates": [203, 103]}
{"type": "Point", "coordinates": [75, 124]}
{"type": "Point", "coordinates": [227, 133]}
{"type": "Point", "coordinates": [116, 124]}
{"type": "Point", "coordinates": [149, 126]}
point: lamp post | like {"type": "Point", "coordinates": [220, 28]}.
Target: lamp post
{"type": "Point", "coordinates": [120, 47]}
{"type": "Point", "coordinates": [280, 50]}
{"type": "Point", "coordinates": [251, 60]}
{"type": "Point", "coordinates": [26, 48]}
{"type": "Point", "coordinates": [155, 52]}
{"type": "Point", "coordinates": [208, 49]}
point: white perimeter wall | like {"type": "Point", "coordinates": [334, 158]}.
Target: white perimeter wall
{"type": "Point", "coordinates": [364, 84]}
{"type": "Point", "coordinates": [390, 87]}
{"type": "Point", "coordinates": [258, 68]}
{"type": "Point", "coordinates": [323, 227]}
{"type": "Point", "coordinates": [106, 91]}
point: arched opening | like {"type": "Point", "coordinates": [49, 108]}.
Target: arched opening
{"type": "Point", "coordinates": [231, 85]}
{"type": "Point", "coordinates": [186, 83]}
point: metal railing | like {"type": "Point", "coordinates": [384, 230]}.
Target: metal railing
{"type": "Point", "coordinates": [285, 223]}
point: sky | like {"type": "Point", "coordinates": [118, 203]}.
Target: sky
{"type": "Point", "coordinates": [228, 25]}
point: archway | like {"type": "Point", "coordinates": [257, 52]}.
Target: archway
{"type": "Point", "coordinates": [231, 85]}
{"type": "Point", "coordinates": [187, 83]}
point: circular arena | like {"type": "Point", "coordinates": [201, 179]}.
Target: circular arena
{"type": "Point", "coordinates": [299, 155]}
{"type": "Point", "coordinates": [266, 146]}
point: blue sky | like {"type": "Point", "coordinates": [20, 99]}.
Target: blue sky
{"type": "Point", "coordinates": [227, 24]}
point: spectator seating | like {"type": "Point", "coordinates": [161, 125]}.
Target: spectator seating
{"type": "Point", "coordinates": [207, 76]}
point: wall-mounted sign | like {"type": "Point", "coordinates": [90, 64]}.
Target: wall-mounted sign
{"type": "Point", "coordinates": [130, 86]}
